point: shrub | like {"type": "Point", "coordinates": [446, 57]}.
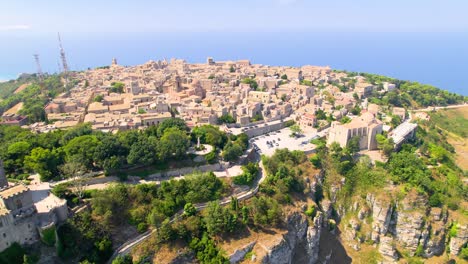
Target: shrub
{"type": "Point", "coordinates": [13, 254]}
{"type": "Point", "coordinates": [453, 229]}
{"type": "Point", "coordinates": [189, 209]}
{"type": "Point", "coordinates": [48, 236]}
{"type": "Point", "coordinates": [311, 212]}
{"type": "Point", "coordinates": [142, 227]}
{"type": "Point", "coordinates": [123, 260]}
{"type": "Point", "coordinates": [211, 157]}
{"type": "Point", "coordinates": [289, 123]}
{"type": "Point", "coordinates": [464, 252]}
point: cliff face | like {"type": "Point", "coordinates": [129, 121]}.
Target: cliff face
{"type": "Point", "coordinates": [396, 225]}
{"type": "Point", "coordinates": [404, 226]}
{"type": "Point", "coordinates": [300, 244]}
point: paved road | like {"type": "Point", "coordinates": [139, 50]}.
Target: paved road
{"type": "Point", "coordinates": [428, 109]}
{"type": "Point", "coordinates": [125, 248]}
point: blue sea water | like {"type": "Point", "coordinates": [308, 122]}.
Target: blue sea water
{"type": "Point", "coordinates": [440, 59]}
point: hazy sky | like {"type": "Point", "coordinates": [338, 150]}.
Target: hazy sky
{"type": "Point", "coordinates": [40, 16]}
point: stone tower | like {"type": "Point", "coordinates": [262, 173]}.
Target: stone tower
{"type": "Point", "coordinates": [3, 179]}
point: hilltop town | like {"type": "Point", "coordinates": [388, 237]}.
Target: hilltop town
{"type": "Point", "coordinates": [229, 93]}
{"type": "Point", "coordinates": [118, 162]}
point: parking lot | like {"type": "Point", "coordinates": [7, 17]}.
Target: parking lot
{"type": "Point", "coordinates": [268, 143]}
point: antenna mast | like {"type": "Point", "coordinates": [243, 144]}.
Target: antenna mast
{"type": "Point", "coordinates": [62, 56]}
{"type": "Point", "coordinates": [38, 64]}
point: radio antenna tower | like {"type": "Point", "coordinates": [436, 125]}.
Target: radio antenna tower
{"type": "Point", "coordinates": [62, 56]}
{"type": "Point", "coordinates": [38, 64]}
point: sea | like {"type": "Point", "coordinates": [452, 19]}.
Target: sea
{"type": "Point", "coordinates": [439, 59]}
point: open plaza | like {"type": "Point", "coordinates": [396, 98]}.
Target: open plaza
{"type": "Point", "coordinates": [267, 144]}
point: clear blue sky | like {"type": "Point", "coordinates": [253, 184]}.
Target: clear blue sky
{"type": "Point", "coordinates": [46, 16]}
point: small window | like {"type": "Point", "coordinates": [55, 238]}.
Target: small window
{"type": "Point", "coordinates": [4, 234]}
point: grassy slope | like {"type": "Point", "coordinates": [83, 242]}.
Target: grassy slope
{"type": "Point", "coordinates": [455, 122]}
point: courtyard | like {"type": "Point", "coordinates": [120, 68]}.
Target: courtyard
{"type": "Point", "coordinates": [267, 144]}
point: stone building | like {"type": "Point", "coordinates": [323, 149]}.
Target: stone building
{"type": "Point", "coordinates": [25, 213]}
{"type": "Point", "coordinates": [366, 127]}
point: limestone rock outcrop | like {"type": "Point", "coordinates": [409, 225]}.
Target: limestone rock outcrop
{"type": "Point", "coordinates": [458, 240]}
{"type": "Point", "coordinates": [301, 238]}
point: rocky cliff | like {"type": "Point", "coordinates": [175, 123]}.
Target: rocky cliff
{"type": "Point", "coordinates": [300, 244]}
{"type": "Point", "coordinates": [400, 225]}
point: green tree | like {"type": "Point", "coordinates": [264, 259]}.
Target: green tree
{"type": "Point", "coordinates": [214, 218]}
{"type": "Point", "coordinates": [407, 167]}
{"type": "Point", "coordinates": [35, 112]}
{"type": "Point", "coordinates": [173, 144]}
{"type": "Point", "coordinates": [209, 134]}
{"type": "Point", "coordinates": [284, 77]}
{"type": "Point", "coordinates": [296, 130]}
{"type": "Point", "coordinates": [265, 211]}
{"type": "Point", "coordinates": [353, 144]}
{"type": "Point", "coordinates": [226, 119]}
{"type": "Point", "coordinates": [123, 260]}
{"type": "Point", "coordinates": [109, 147]}
{"type": "Point", "coordinates": [356, 110]}
{"type": "Point", "coordinates": [189, 209]}
{"type": "Point", "coordinates": [232, 152]}
{"type": "Point", "coordinates": [98, 98]}
{"type": "Point", "coordinates": [144, 151]}
{"type": "Point", "coordinates": [320, 114]}
{"type": "Point", "coordinates": [211, 157]}
{"type": "Point", "coordinates": [386, 145]}
{"type": "Point", "coordinates": [170, 123]}
{"type": "Point", "coordinates": [396, 120]}
{"type": "Point", "coordinates": [16, 152]}
{"type": "Point", "coordinates": [45, 162]}
{"type": "Point", "coordinates": [82, 149]}
{"type": "Point", "coordinates": [117, 87]}
{"type": "Point", "coordinates": [253, 84]}
{"type": "Point", "coordinates": [79, 130]}
{"type": "Point", "coordinates": [345, 120]}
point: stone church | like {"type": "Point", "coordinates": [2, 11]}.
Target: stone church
{"type": "Point", "coordinates": [26, 211]}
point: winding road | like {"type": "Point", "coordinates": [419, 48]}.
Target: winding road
{"type": "Point", "coordinates": [125, 248]}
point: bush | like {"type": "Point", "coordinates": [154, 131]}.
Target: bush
{"type": "Point", "coordinates": [48, 236]}
{"type": "Point", "coordinates": [189, 209]}
{"type": "Point", "coordinates": [311, 212]}
{"type": "Point", "coordinates": [453, 229]}
{"type": "Point", "coordinates": [315, 160]}
{"type": "Point", "coordinates": [142, 227]}
{"type": "Point", "coordinates": [452, 205]}
{"type": "Point", "coordinates": [435, 200]}
{"type": "Point", "coordinates": [60, 190]}
{"type": "Point", "coordinates": [206, 250]}
{"type": "Point", "coordinates": [13, 254]}
{"type": "Point", "coordinates": [250, 171]}
{"type": "Point", "coordinates": [123, 260]}
{"type": "Point", "coordinates": [289, 123]}
{"type": "Point", "coordinates": [211, 157]}
{"type": "Point", "coordinates": [464, 252]}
